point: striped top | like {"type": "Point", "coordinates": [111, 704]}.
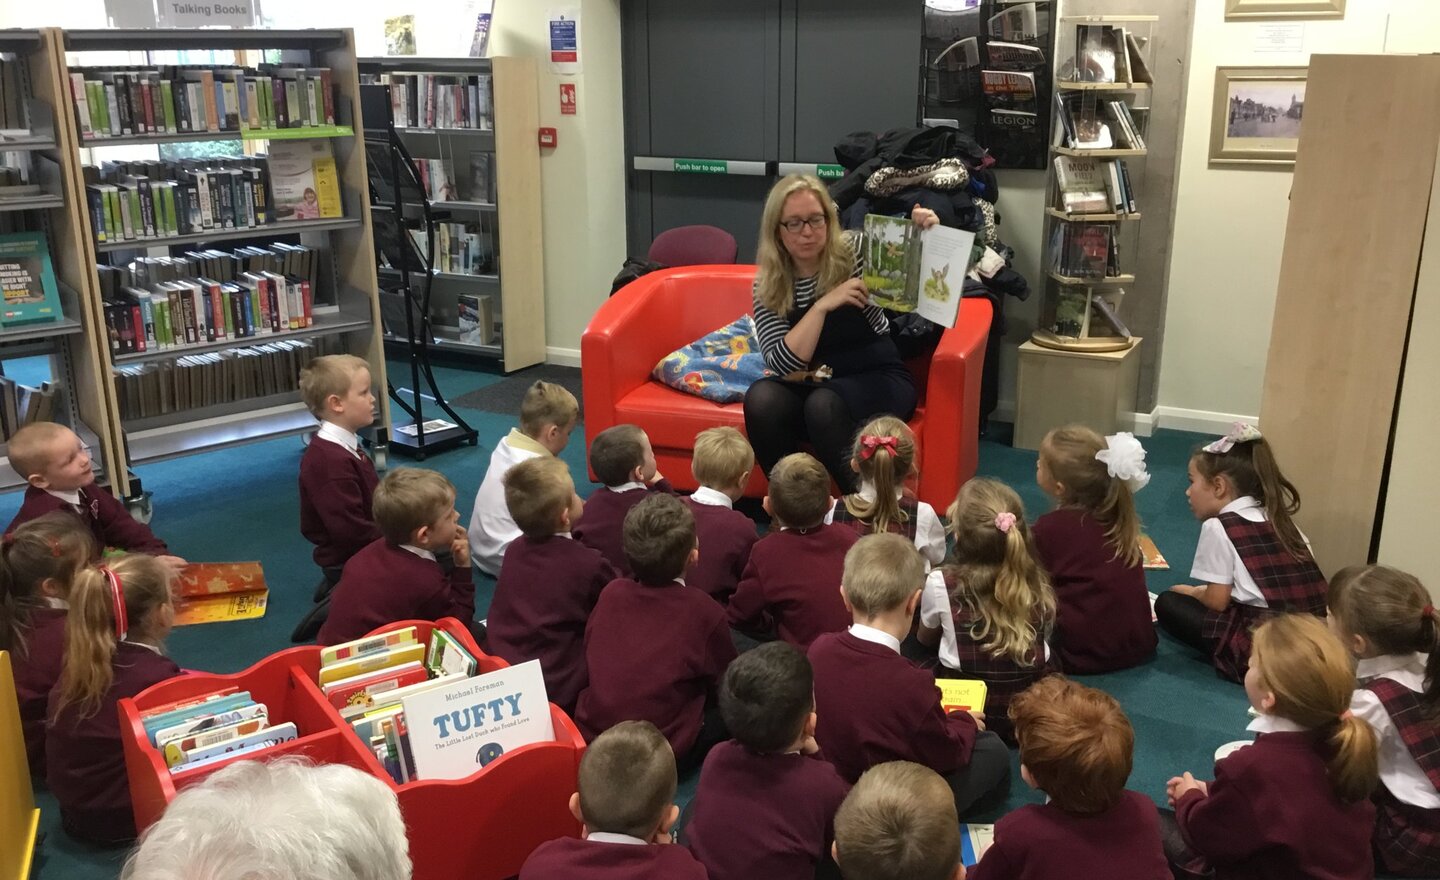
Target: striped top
{"type": "Point", "coordinates": [771, 327]}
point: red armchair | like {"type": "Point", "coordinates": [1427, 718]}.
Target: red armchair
{"type": "Point", "coordinates": [660, 312]}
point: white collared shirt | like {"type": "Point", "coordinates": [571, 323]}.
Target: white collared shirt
{"type": "Point", "coordinates": [929, 531]}
{"type": "Point", "coordinates": [615, 837]}
{"type": "Point", "coordinates": [60, 604]}
{"type": "Point", "coordinates": [712, 497]}
{"type": "Point", "coordinates": [419, 551]}
{"type": "Point", "coordinates": [626, 487]}
{"type": "Point", "coordinates": [871, 634]}
{"type": "Point", "coordinates": [1275, 724]}
{"type": "Point", "coordinates": [1399, 771]}
{"type": "Point", "coordinates": [157, 651]}
{"type": "Point", "coordinates": [339, 436]}
{"type": "Point", "coordinates": [71, 498]}
{"type": "Point", "coordinates": [1218, 562]}
{"type": "Point", "coordinates": [492, 529]}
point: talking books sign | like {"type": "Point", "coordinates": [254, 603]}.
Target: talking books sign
{"type": "Point", "coordinates": [456, 730]}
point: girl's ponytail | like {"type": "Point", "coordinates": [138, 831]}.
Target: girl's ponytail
{"type": "Point", "coordinates": [1354, 763]}
{"type": "Point", "coordinates": [1099, 476]}
{"type": "Point", "coordinates": [1280, 498]}
{"type": "Point", "coordinates": [91, 638]}
{"type": "Point", "coordinates": [884, 453]}
{"type": "Point", "coordinates": [48, 548]}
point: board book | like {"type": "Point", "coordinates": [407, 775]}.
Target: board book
{"type": "Point", "coordinates": [404, 653]}
{"type": "Point", "coordinates": [1154, 561]}
{"type": "Point", "coordinates": [907, 269]}
{"type": "Point", "coordinates": [961, 695]}
{"type": "Point", "coordinates": [367, 645]}
{"type": "Point", "coordinates": [974, 840]}
{"type": "Point", "coordinates": [211, 592]}
{"type": "Point", "coordinates": [363, 689]}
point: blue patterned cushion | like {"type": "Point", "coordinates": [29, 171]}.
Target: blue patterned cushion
{"type": "Point", "coordinates": [719, 366]}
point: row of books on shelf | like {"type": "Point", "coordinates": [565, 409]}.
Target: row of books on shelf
{"type": "Point", "coordinates": [1087, 185]}
{"type": "Point", "coordinates": [15, 183]}
{"type": "Point", "coordinates": [438, 180]}
{"type": "Point", "coordinates": [126, 101]}
{"type": "Point", "coordinates": [187, 382]}
{"type": "Point", "coordinates": [429, 100]}
{"type": "Point", "coordinates": [460, 248]}
{"type": "Point", "coordinates": [1083, 126]}
{"type": "Point", "coordinates": [21, 405]}
{"type": "Point", "coordinates": [1109, 54]}
{"type": "Point", "coordinates": [222, 265]}
{"type": "Point", "coordinates": [1087, 313]}
{"type": "Point", "coordinates": [195, 311]}
{"type": "Point", "coordinates": [1085, 250]}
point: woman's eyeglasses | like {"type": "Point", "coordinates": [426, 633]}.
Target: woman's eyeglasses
{"type": "Point", "coordinates": [795, 224]}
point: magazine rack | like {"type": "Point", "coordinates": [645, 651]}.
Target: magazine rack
{"type": "Point", "coordinates": [480, 827]}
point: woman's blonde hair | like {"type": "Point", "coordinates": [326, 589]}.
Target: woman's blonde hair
{"type": "Point", "coordinates": [1069, 454]}
{"type": "Point", "coordinates": [884, 466]}
{"type": "Point", "coordinates": [1392, 611]}
{"type": "Point", "coordinates": [90, 626]}
{"type": "Point", "coordinates": [775, 275]}
{"type": "Point", "coordinates": [1301, 662]}
{"type": "Point", "coordinates": [995, 573]}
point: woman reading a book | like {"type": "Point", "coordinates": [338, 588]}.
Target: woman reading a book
{"type": "Point", "coordinates": [828, 345]}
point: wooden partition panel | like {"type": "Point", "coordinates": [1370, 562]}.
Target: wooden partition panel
{"type": "Point", "coordinates": [1358, 209]}
{"type": "Point", "coordinates": [517, 183]}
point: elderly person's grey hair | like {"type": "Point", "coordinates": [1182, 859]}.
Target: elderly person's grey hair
{"type": "Point", "coordinates": [283, 820]}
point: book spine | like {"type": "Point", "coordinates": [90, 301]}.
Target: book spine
{"type": "Point", "coordinates": [307, 303]}
{"type": "Point", "coordinates": [282, 106]}
{"type": "Point", "coordinates": [82, 104]}
{"type": "Point", "coordinates": [314, 102]}
{"type": "Point", "coordinates": [167, 106]}
{"type": "Point", "coordinates": [129, 210]}
{"type": "Point", "coordinates": [184, 119]}
{"type": "Point", "coordinates": [209, 96]}
{"type": "Point", "coordinates": [154, 116]}
{"type": "Point", "coordinates": [112, 108]}
{"type": "Point", "coordinates": [132, 107]}
{"type": "Point", "coordinates": [232, 105]}
{"type": "Point", "coordinates": [327, 90]}
{"type": "Point", "coordinates": [252, 103]}
{"type": "Point", "coordinates": [147, 207]}
{"type": "Point", "coordinates": [1130, 204]}
{"type": "Point", "coordinates": [95, 200]}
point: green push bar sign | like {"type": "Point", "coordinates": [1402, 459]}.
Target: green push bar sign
{"type": "Point", "coordinates": [702, 166]}
{"type": "Point", "coordinates": [829, 172]}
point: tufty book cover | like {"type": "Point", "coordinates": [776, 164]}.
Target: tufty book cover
{"type": "Point", "coordinates": [28, 280]}
{"type": "Point", "coordinates": [458, 729]}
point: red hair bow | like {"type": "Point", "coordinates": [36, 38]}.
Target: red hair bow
{"type": "Point", "coordinates": [869, 443]}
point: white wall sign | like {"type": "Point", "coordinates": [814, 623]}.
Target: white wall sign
{"type": "Point", "coordinates": [1288, 38]}
{"type": "Point", "coordinates": [206, 13]}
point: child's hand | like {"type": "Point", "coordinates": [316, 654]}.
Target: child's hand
{"type": "Point", "coordinates": [1182, 785]}
{"type": "Point", "coordinates": [175, 563]}
{"type": "Point", "coordinates": [979, 718]}
{"type": "Point", "coordinates": [460, 549]}
{"type": "Point", "coordinates": [924, 217]}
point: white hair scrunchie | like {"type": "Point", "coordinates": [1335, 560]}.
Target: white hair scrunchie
{"type": "Point", "coordinates": [1240, 432]}
{"type": "Point", "coordinates": [1124, 458]}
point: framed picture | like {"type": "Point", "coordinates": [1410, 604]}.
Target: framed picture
{"type": "Point", "coordinates": [1257, 116]}
{"type": "Point", "coordinates": [1272, 10]}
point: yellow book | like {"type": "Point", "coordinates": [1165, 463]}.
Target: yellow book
{"type": "Point", "coordinates": [405, 653]}
{"type": "Point", "coordinates": [961, 695]}
{"type": "Point", "coordinates": [327, 186]}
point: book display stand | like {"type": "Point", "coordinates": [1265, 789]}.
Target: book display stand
{"type": "Point", "coordinates": [238, 384]}
{"type": "Point", "coordinates": [471, 124]}
{"type": "Point", "coordinates": [1101, 111]}
{"type": "Point", "coordinates": [481, 827]}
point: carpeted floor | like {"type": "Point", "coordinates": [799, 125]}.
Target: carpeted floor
{"type": "Point", "coordinates": [241, 504]}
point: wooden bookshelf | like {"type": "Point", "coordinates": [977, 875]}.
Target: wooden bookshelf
{"type": "Point", "coordinates": [346, 305]}
{"type": "Point", "coordinates": [519, 308]}
{"type": "Point", "coordinates": [1098, 153]}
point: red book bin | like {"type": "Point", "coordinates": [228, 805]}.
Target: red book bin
{"type": "Point", "coordinates": [480, 827]}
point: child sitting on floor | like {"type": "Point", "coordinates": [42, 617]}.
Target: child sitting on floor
{"type": "Point", "coordinates": [547, 416]}
{"type": "Point", "coordinates": [1077, 746]}
{"type": "Point", "coordinates": [56, 464]}
{"type": "Point", "coordinates": [1252, 558]}
{"type": "Point", "coordinates": [1090, 546]}
{"type": "Point", "coordinates": [337, 478]}
{"type": "Point", "coordinates": [119, 616]}
{"type": "Point", "coordinates": [1387, 620]}
{"type": "Point", "coordinates": [549, 583]}
{"type": "Point", "coordinates": [722, 463]}
{"type": "Point", "coordinates": [884, 457]}
{"type": "Point", "coordinates": [1296, 802]}
{"type": "Point", "coordinates": [656, 648]}
{"type": "Point", "coordinates": [397, 576]}
{"type": "Point", "coordinates": [898, 823]}
{"type": "Point", "coordinates": [625, 806]}
{"type": "Point", "coordinates": [766, 803]}
{"type": "Point", "coordinates": [38, 563]}
{"type": "Point", "coordinates": [990, 610]}
{"type": "Point", "coordinates": [623, 461]}
{"type": "Point", "coordinates": [791, 586]}
{"type": "Point", "coordinates": [874, 705]}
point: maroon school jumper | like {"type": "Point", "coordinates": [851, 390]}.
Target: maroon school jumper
{"type": "Point", "coordinates": [908, 506]}
{"type": "Point", "coordinates": [385, 583]}
{"type": "Point", "coordinates": [570, 858]}
{"type": "Point", "coordinates": [792, 584]}
{"type": "Point", "coordinates": [1406, 836]}
{"type": "Point", "coordinates": [875, 706]}
{"type": "Point", "coordinates": [763, 815]}
{"type": "Point", "coordinates": [1004, 678]}
{"type": "Point", "coordinates": [337, 488]}
{"type": "Point", "coordinates": [1289, 585]}
{"type": "Point", "coordinates": [655, 652]}
{"type": "Point", "coordinates": [1042, 842]}
{"type": "Point", "coordinates": [602, 523]}
{"type": "Point", "coordinates": [36, 672]}
{"type": "Point", "coordinates": [726, 537]}
{"type": "Point", "coordinates": [1272, 813]}
{"type": "Point", "coordinates": [1102, 615]}
{"type": "Point", "coordinates": [108, 520]}
{"type": "Point", "coordinates": [84, 760]}
{"type": "Point", "coordinates": [547, 588]}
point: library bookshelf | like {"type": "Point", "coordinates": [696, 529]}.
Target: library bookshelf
{"type": "Point", "coordinates": [481, 827]}
{"type": "Point", "coordinates": [345, 305]}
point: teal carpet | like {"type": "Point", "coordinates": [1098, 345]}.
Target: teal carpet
{"type": "Point", "coordinates": [242, 504]}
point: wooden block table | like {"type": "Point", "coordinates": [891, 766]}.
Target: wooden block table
{"type": "Point", "coordinates": [1056, 387]}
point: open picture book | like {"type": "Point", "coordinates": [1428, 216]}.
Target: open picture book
{"type": "Point", "coordinates": [912, 270]}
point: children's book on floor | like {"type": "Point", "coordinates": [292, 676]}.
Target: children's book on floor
{"type": "Point", "coordinates": [212, 592]}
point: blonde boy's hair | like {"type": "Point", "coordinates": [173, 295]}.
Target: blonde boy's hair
{"type": "Point", "coordinates": [537, 491]}
{"type": "Point", "coordinates": [32, 447]}
{"type": "Point", "coordinates": [898, 823]}
{"type": "Point", "coordinates": [882, 572]}
{"type": "Point", "coordinates": [799, 491]}
{"type": "Point", "coordinates": [409, 498]}
{"type": "Point", "coordinates": [546, 403]}
{"type": "Point", "coordinates": [627, 780]}
{"type": "Point", "coordinates": [722, 458]}
{"type": "Point", "coordinates": [327, 375]}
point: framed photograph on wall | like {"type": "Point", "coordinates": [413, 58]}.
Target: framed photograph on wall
{"type": "Point", "coordinates": [1257, 115]}
{"type": "Point", "coordinates": [1279, 10]}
